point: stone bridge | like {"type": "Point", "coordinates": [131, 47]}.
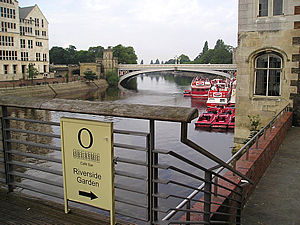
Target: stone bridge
{"type": "Point", "coordinates": [127, 71]}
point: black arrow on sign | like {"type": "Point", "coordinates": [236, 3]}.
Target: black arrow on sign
{"type": "Point", "coordinates": [89, 195]}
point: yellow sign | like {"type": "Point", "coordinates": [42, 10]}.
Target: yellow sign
{"type": "Point", "coordinates": [87, 153]}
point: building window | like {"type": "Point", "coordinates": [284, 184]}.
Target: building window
{"type": "Point", "coordinates": [45, 57]}
{"type": "Point", "coordinates": [268, 69]}
{"type": "Point", "coordinates": [15, 69]}
{"type": "Point", "coordinates": [263, 8]}
{"type": "Point", "coordinates": [5, 67]}
{"type": "Point", "coordinates": [277, 7]}
{"type": "Point", "coordinates": [30, 43]}
{"type": "Point", "coordinates": [38, 56]}
{"type": "Point", "coordinates": [22, 43]}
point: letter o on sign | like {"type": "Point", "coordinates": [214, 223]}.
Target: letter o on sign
{"type": "Point", "coordinates": [90, 137]}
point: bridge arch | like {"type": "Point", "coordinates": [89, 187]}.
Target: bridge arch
{"type": "Point", "coordinates": [130, 75]}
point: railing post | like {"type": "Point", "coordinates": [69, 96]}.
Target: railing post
{"type": "Point", "coordinates": [5, 124]}
{"type": "Point", "coordinates": [216, 186]}
{"type": "Point", "coordinates": [152, 175]}
{"type": "Point", "coordinates": [207, 196]}
{"type": "Point", "coordinates": [188, 214]}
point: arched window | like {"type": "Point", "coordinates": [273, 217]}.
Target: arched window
{"type": "Point", "coordinates": [268, 69]}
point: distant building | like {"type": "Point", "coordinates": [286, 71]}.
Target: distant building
{"type": "Point", "coordinates": [267, 60]}
{"type": "Point", "coordinates": [23, 40]}
{"type": "Point", "coordinates": [102, 65]}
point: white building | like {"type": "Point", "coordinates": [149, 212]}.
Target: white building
{"type": "Point", "coordinates": [23, 40]}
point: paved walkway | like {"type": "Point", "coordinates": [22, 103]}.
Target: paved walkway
{"type": "Point", "coordinates": [16, 209]}
{"type": "Point", "coordinates": [276, 199]}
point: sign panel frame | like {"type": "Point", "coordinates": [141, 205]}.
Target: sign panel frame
{"type": "Point", "coordinates": [88, 166]}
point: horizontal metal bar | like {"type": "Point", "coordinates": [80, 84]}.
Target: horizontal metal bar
{"type": "Point", "coordinates": [166, 167]}
{"type": "Point", "coordinates": [26, 165]}
{"type": "Point", "coordinates": [133, 133]}
{"type": "Point", "coordinates": [125, 214]}
{"type": "Point", "coordinates": [130, 189]}
{"type": "Point", "coordinates": [130, 175]}
{"type": "Point", "coordinates": [33, 132]}
{"type": "Point", "coordinates": [131, 147]}
{"type": "Point", "coordinates": [2, 180]}
{"type": "Point", "coordinates": [2, 170]}
{"type": "Point", "coordinates": [31, 155]}
{"type": "Point", "coordinates": [226, 188]}
{"type": "Point", "coordinates": [131, 161]}
{"type": "Point", "coordinates": [129, 202]}
{"type": "Point", "coordinates": [42, 180]}
{"type": "Point", "coordinates": [32, 121]}
{"type": "Point", "coordinates": [41, 191]}
{"type": "Point", "coordinates": [34, 144]}
{"type": "Point", "coordinates": [187, 222]}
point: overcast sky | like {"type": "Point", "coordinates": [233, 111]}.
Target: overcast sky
{"type": "Point", "coordinates": [155, 28]}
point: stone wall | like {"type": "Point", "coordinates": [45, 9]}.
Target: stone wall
{"type": "Point", "coordinates": [52, 90]}
{"type": "Point", "coordinates": [258, 35]}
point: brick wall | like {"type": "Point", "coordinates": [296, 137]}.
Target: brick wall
{"type": "Point", "coordinates": [259, 159]}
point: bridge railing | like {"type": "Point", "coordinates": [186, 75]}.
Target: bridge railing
{"type": "Point", "coordinates": [149, 182]}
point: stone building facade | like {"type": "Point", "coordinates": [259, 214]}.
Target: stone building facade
{"type": "Point", "coordinates": [23, 40]}
{"type": "Point", "coordinates": [102, 65]}
{"type": "Point", "coordinates": [267, 60]}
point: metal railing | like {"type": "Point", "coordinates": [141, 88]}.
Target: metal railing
{"type": "Point", "coordinates": [151, 184]}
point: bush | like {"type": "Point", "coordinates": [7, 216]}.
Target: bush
{"type": "Point", "coordinates": [112, 78]}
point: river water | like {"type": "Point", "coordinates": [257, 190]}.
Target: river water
{"type": "Point", "coordinates": [156, 89]}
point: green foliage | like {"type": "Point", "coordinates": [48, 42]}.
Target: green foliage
{"type": "Point", "coordinates": [184, 59]}
{"type": "Point", "coordinates": [70, 55]}
{"type": "Point", "coordinates": [32, 71]}
{"type": "Point", "coordinates": [112, 78]}
{"type": "Point", "coordinates": [125, 55]}
{"type": "Point", "coordinates": [157, 61]}
{"type": "Point", "coordinates": [151, 62]}
{"type": "Point", "coordinates": [170, 61]}
{"type": "Point", "coordinates": [142, 61]}
{"type": "Point", "coordinates": [255, 123]}
{"type": "Point", "coordinates": [89, 75]}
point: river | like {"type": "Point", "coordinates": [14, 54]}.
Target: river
{"type": "Point", "coordinates": [153, 89]}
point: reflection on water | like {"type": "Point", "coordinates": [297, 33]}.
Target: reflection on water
{"type": "Point", "coordinates": [152, 90]}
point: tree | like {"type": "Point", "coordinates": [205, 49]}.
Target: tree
{"type": "Point", "coordinates": [151, 62]}
{"type": "Point", "coordinates": [204, 50]}
{"type": "Point", "coordinates": [32, 72]}
{"type": "Point", "coordinates": [59, 55]}
{"type": "Point", "coordinates": [112, 78]}
{"type": "Point", "coordinates": [184, 59]}
{"type": "Point", "coordinates": [157, 61]}
{"type": "Point", "coordinates": [142, 61]}
{"type": "Point", "coordinates": [89, 75]}
{"type": "Point", "coordinates": [170, 61]}
{"type": "Point", "coordinates": [96, 52]}
{"type": "Point", "coordinates": [125, 55]}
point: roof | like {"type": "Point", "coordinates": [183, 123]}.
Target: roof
{"type": "Point", "coordinates": [25, 11]}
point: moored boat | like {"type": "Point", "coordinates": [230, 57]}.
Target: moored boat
{"type": "Point", "coordinates": [200, 87]}
{"type": "Point", "coordinates": [231, 122]}
{"type": "Point", "coordinates": [219, 95]}
{"type": "Point", "coordinates": [221, 121]}
{"type": "Point", "coordinates": [187, 93]}
{"type": "Point", "coordinates": [205, 120]}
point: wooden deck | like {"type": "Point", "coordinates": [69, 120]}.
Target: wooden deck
{"type": "Point", "coordinates": [16, 208]}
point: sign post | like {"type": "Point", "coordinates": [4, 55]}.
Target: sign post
{"type": "Point", "coordinates": [87, 155]}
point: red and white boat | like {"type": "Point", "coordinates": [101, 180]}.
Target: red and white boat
{"type": "Point", "coordinates": [219, 95]}
{"type": "Point", "coordinates": [231, 122]}
{"type": "Point", "coordinates": [187, 93]}
{"type": "Point", "coordinates": [221, 121]}
{"type": "Point", "coordinates": [200, 87]}
{"type": "Point", "coordinates": [205, 120]}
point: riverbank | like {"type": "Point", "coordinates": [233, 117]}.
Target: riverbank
{"type": "Point", "coordinates": [53, 90]}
